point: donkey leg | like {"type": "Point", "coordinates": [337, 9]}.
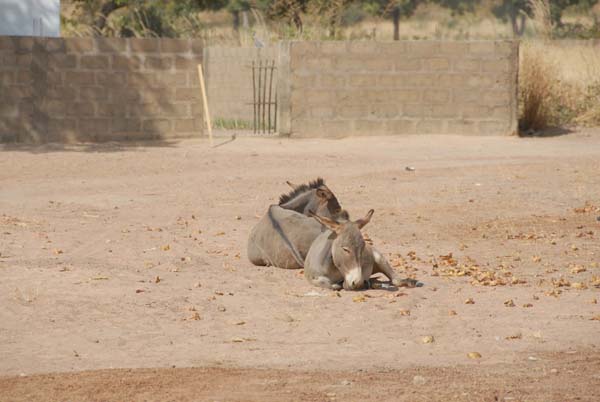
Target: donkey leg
{"type": "Point", "coordinates": [325, 282]}
{"type": "Point", "coordinates": [382, 265]}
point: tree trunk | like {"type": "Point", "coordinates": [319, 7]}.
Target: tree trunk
{"type": "Point", "coordinates": [517, 22]}
{"type": "Point", "coordinates": [106, 9]}
{"type": "Point", "coordinates": [245, 23]}
{"type": "Point", "coordinates": [396, 19]}
{"type": "Point", "coordinates": [297, 21]}
{"type": "Point", "coordinates": [236, 20]}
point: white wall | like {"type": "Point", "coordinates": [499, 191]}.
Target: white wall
{"type": "Point", "coordinates": [30, 17]}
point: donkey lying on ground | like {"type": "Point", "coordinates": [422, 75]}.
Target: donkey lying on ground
{"type": "Point", "coordinates": [284, 234]}
{"type": "Point", "coordinates": [340, 254]}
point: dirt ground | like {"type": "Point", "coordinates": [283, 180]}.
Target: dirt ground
{"type": "Point", "coordinates": [123, 272]}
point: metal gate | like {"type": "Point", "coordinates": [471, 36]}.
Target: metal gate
{"type": "Point", "coordinates": [265, 96]}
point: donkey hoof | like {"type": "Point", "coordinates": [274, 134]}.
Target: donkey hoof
{"type": "Point", "coordinates": [405, 283]}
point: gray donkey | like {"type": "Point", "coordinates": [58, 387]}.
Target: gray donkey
{"type": "Point", "coordinates": [284, 234]}
{"type": "Point", "coordinates": [340, 255]}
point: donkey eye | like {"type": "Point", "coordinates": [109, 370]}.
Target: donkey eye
{"type": "Point", "coordinates": [346, 249]}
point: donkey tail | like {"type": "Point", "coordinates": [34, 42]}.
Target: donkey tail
{"type": "Point", "coordinates": [284, 237]}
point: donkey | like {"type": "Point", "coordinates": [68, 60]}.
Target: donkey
{"type": "Point", "coordinates": [284, 234]}
{"type": "Point", "coordinates": [340, 257]}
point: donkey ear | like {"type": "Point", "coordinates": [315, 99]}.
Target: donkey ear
{"type": "Point", "coordinates": [328, 223]}
{"type": "Point", "coordinates": [292, 185]}
{"type": "Point", "coordinates": [363, 221]}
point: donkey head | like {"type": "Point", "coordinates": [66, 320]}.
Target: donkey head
{"type": "Point", "coordinates": [315, 198]}
{"type": "Point", "coordinates": [348, 248]}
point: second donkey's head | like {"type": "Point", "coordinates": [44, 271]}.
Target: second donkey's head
{"type": "Point", "coordinates": [313, 198]}
{"type": "Point", "coordinates": [348, 248]}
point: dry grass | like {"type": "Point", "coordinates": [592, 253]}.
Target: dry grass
{"type": "Point", "coordinates": [541, 20]}
{"type": "Point", "coordinates": [559, 84]}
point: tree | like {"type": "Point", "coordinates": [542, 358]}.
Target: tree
{"type": "Point", "coordinates": [146, 16]}
{"type": "Point", "coordinates": [515, 11]}
{"type": "Point", "coordinates": [289, 10]}
{"type": "Point", "coordinates": [399, 9]}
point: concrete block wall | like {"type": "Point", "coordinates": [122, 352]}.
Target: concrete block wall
{"type": "Point", "coordinates": [98, 89]}
{"type": "Point", "coordinates": [229, 80]}
{"type": "Point", "coordinates": [332, 89]}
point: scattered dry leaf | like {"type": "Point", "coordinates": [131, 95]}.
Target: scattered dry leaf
{"type": "Point", "coordinates": [594, 301]}
{"type": "Point", "coordinates": [427, 339]}
{"type": "Point", "coordinates": [577, 269]}
{"type": "Point", "coordinates": [359, 299]}
{"type": "Point", "coordinates": [553, 292]}
{"type": "Point", "coordinates": [157, 279]}
{"type": "Point", "coordinates": [469, 301]}
{"type": "Point", "coordinates": [195, 316]}
{"type": "Point", "coordinates": [404, 312]}
{"type": "Point", "coordinates": [139, 290]}
{"type": "Point", "coordinates": [99, 278]}
{"type": "Point", "coordinates": [166, 247]}
{"type": "Point", "coordinates": [578, 285]}
{"type": "Point", "coordinates": [515, 336]}
{"type": "Point", "coordinates": [536, 258]}
{"type": "Point", "coordinates": [595, 318]}
{"type": "Point", "coordinates": [509, 303]}
{"type": "Point", "coordinates": [474, 355]}
{"type": "Point", "coordinates": [58, 251]}
{"type": "Point", "coordinates": [451, 312]}
{"type": "Point", "coordinates": [527, 305]}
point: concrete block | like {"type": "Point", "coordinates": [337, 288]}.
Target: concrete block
{"type": "Point", "coordinates": [445, 111]}
{"type": "Point", "coordinates": [78, 78]}
{"type": "Point", "coordinates": [494, 128]}
{"type": "Point", "coordinates": [407, 63]}
{"type": "Point", "coordinates": [188, 63]}
{"type": "Point", "coordinates": [98, 93]}
{"type": "Point", "coordinates": [462, 127]}
{"type": "Point", "coordinates": [467, 65]}
{"type": "Point", "coordinates": [120, 124]}
{"type": "Point", "coordinates": [79, 45]}
{"type": "Point", "coordinates": [430, 127]}
{"type": "Point", "coordinates": [423, 48]}
{"type": "Point", "coordinates": [454, 48]}
{"type": "Point", "coordinates": [93, 127]}
{"type": "Point", "coordinates": [482, 48]}
{"type": "Point", "coordinates": [496, 66]}
{"type": "Point", "coordinates": [141, 80]}
{"type": "Point", "coordinates": [370, 127]}
{"type": "Point", "coordinates": [158, 62]}
{"type": "Point", "coordinates": [401, 126]}
{"type": "Point", "coordinates": [187, 94]}
{"type": "Point", "coordinates": [80, 109]}
{"type": "Point", "coordinates": [143, 45]}
{"type": "Point", "coordinates": [168, 45]}
{"type": "Point", "coordinates": [113, 110]}
{"type": "Point", "coordinates": [436, 64]}
{"type": "Point", "coordinates": [157, 125]}
{"type": "Point", "coordinates": [123, 62]}
{"type": "Point", "coordinates": [111, 45]}
{"type": "Point", "coordinates": [436, 96]}
{"type": "Point", "coordinates": [112, 79]}
{"type": "Point", "coordinates": [60, 61]}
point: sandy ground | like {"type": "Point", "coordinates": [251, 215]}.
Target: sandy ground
{"type": "Point", "coordinates": [132, 256]}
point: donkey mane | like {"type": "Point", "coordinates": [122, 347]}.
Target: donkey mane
{"type": "Point", "coordinates": [301, 189]}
